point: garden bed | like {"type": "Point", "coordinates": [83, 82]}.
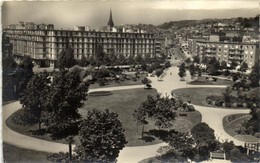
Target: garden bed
{"type": "Point", "coordinates": [100, 93]}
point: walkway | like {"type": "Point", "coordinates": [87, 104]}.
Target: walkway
{"type": "Point", "coordinates": [212, 116]}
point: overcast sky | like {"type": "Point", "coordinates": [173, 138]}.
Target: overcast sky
{"type": "Point", "coordinates": [66, 14]}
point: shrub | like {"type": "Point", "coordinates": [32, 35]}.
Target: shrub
{"type": "Point", "coordinates": [234, 105]}
{"type": "Point", "coordinates": [244, 105]}
{"type": "Point", "coordinates": [219, 103]}
{"type": "Point", "coordinates": [191, 108]}
{"type": "Point", "coordinates": [209, 101]}
{"type": "Point", "coordinates": [239, 105]}
{"type": "Point", "coordinates": [60, 157]}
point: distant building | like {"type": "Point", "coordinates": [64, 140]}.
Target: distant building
{"type": "Point", "coordinates": [43, 43]}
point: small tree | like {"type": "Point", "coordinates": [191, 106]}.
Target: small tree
{"type": "Point", "coordinates": [233, 65]}
{"type": "Point", "coordinates": [227, 94]}
{"type": "Point", "coordinates": [254, 76]}
{"type": "Point", "coordinates": [196, 59]}
{"type": "Point", "coordinates": [101, 137]}
{"type": "Point", "coordinates": [34, 96]}
{"type": "Point", "coordinates": [66, 58]}
{"type": "Point", "coordinates": [159, 72]}
{"type": "Point", "coordinates": [145, 81]}
{"type": "Point", "coordinates": [182, 70]}
{"type": "Point", "coordinates": [244, 67]}
{"type": "Point", "coordinates": [84, 62]}
{"type": "Point", "coordinates": [192, 70]}
{"type": "Point", "coordinates": [223, 64]}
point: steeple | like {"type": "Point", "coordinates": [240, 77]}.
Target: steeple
{"type": "Point", "coordinates": [110, 23]}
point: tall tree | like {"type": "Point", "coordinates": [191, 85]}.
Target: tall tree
{"type": "Point", "coordinates": [34, 96]}
{"type": "Point", "coordinates": [8, 64]}
{"type": "Point", "coordinates": [66, 96]}
{"type": "Point", "coordinates": [101, 137]}
{"type": "Point", "coordinates": [254, 76]}
{"type": "Point", "coordinates": [66, 58]}
{"type": "Point", "coordinates": [223, 64]}
{"type": "Point", "coordinates": [233, 65]}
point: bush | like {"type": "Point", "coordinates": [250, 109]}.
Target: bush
{"type": "Point", "coordinates": [209, 101]}
{"type": "Point", "coordinates": [234, 105]}
{"type": "Point", "coordinates": [219, 103]}
{"type": "Point", "coordinates": [244, 105]}
{"type": "Point", "coordinates": [191, 108]}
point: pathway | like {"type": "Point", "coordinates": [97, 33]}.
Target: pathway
{"type": "Point", "coordinates": [212, 116]}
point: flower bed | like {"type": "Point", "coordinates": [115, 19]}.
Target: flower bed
{"type": "Point", "coordinates": [100, 93]}
{"type": "Point", "coordinates": [233, 117]}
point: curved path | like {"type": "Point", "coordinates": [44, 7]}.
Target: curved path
{"type": "Point", "coordinates": [212, 116]}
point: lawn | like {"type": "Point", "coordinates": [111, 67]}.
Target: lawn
{"type": "Point", "coordinates": [123, 102]}
{"type": "Point", "coordinates": [201, 80]}
{"type": "Point", "coordinates": [16, 154]}
{"type": "Point", "coordinates": [197, 96]}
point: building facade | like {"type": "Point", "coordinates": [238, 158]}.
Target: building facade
{"type": "Point", "coordinates": [44, 44]}
{"type": "Point", "coordinates": [228, 52]}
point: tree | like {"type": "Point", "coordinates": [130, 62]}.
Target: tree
{"type": "Point", "coordinates": [159, 72]}
{"type": "Point", "coordinates": [235, 76]}
{"type": "Point", "coordinates": [244, 67]}
{"type": "Point", "coordinates": [84, 62]}
{"type": "Point", "coordinates": [202, 133]}
{"type": "Point", "coordinates": [167, 64]}
{"type": "Point", "coordinates": [196, 59]}
{"type": "Point", "coordinates": [8, 64]}
{"type": "Point", "coordinates": [223, 64]}
{"type": "Point", "coordinates": [139, 59]}
{"type": "Point", "coordinates": [34, 96]}
{"type": "Point", "coordinates": [66, 96]}
{"type": "Point", "coordinates": [144, 111]}
{"type": "Point", "coordinates": [227, 94]}
{"type": "Point", "coordinates": [145, 81]}
{"type": "Point", "coordinates": [213, 66]}
{"type": "Point", "coordinates": [101, 137]}
{"type": "Point", "coordinates": [66, 58]}
{"type": "Point", "coordinates": [99, 55]}
{"type": "Point", "coordinates": [163, 115]}
{"type": "Point", "coordinates": [25, 75]}
{"type": "Point", "coordinates": [204, 60]}
{"type": "Point", "coordinates": [233, 65]}
{"type": "Point", "coordinates": [204, 138]}
{"type": "Point", "coordinates": [182, 70]}
{"type": "Point", "coordinates": [192, 70]}
{"type": "Point", "coordinates": [254, 76]}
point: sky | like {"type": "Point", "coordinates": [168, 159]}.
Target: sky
{"type": "Point", "coordinates": [66, 14]}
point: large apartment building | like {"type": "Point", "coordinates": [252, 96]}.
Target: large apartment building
{"type": "Point", "coordinates": [43, 43]}
{"type": "Point", "coordinates": [229, 51]}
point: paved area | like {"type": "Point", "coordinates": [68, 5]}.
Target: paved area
{"type": "Point", "coordinates": [212, 116]}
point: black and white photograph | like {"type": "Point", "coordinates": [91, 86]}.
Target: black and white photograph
{"type": "Point", "coordinates": [130, 81]}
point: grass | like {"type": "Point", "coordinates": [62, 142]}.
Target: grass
{"type": "Point", "coordinates": [123, 102]}
{"type": "Point", "coordinates": [201, 80]}
{"type": "Point", "coordinates": [230, 127]}
{"type": "Point", "coordinates": [198, 96]}
{"type": "Point", "coordinates": [13, 154]}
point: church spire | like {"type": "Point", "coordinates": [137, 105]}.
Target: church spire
{"type": "Point", "coordinates": [110, 21]}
